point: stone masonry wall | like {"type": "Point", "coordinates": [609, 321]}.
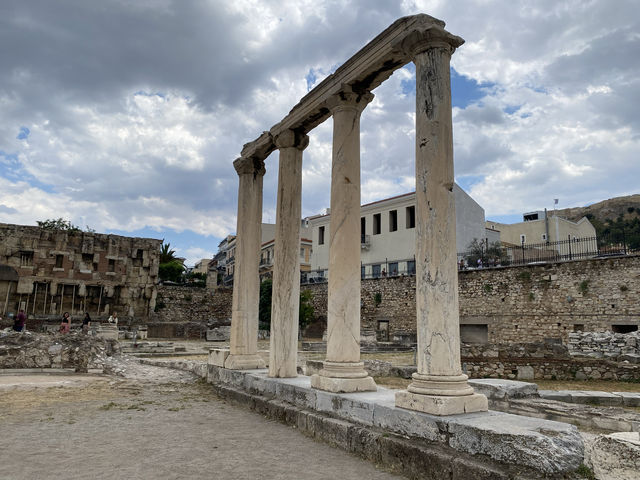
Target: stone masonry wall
{"type": "Point", "coordinates": [188, 311]}
{"type": "Point", "coordinates": [517, 304]}
{"type": "Point", "coordinates": [46, 272]}
{"type": "Point", "coordinates": [74, 350]}
{"type": "Point", "coordinates": [542, 361]}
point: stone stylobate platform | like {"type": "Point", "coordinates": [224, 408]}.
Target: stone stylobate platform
{"type": "Point", "coordinates": [550, 448]}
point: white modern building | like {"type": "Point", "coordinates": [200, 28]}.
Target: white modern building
{"type": "Point", "coordinates": [387, 239]}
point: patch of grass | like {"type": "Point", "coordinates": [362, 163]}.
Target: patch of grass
{"type": "Point", "coordinates": [532, 296]}
{"type": "Point", "coordinates": [524, 276]}
{"type": "Point", "coordinates": [487, 287]}
{"type": "Point", "coordinates": [585, 472]}
{"type": "Point", "coordinates": [176, 409]}
{"type": "Point", "coordinates": [109, 406]}
{"type": "Point", "coordinates": [377, 298]}
{"type": "Point", "coordinates": [598, 385]}
{"type": "Point", "coordinates": [583, 286]}
{"type": "Point", "coordinates": [623, 288]}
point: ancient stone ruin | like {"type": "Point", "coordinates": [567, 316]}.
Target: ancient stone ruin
{"type": "Point", "coordinates": [439, 386]}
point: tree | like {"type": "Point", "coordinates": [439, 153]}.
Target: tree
{"type": "Point", "coordinates": [167, 254]}
{"type": "Point", "coordinates": [305, 311]}
{"type": "Point", "coordinates": [264, 307]}
{"type": "Point", "coordinates": [58, 224]}
{"type": "Point", "coordinates": [171, 271]}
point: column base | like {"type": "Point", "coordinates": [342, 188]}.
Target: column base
{"type": "Point", "coordinates": [343, 385]}
{"type": "Point", "coordinates": [343, 377]}
{"type": "Point", "coordinates": [440, 404]}
{"type": "Point", "coordinates": [244, 362]}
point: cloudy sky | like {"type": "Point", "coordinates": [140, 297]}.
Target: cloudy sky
{"type": "Point", "coordinates": [126, 116]}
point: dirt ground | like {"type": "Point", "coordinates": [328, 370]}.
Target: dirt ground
{"type": "Point", "coordinates": [151, 423]}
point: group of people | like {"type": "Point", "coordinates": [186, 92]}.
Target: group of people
{"type": "Point", "coordinates": [65, 324]}
{"type": "Point", "coordinates": [20, 321]}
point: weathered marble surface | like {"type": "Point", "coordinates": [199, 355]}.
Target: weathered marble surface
{"type": "Point", "coordinates": [343, 370]}
{"type": "Point", "coordinates": [286, 270]}
{"type": "Point", "coordinates": [246, 292]}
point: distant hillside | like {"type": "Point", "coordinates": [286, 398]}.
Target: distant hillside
{"type": "Point", "coordinates": [612, 209]}
{"type": "Point", "coordinates": [615, 220]}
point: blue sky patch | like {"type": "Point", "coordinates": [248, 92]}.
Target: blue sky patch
{"type": "Point", "coordinates": [464, 90]}
{"type": "Point", "coordinates": [511, 109]}
{"type": "Point", "coordinates": [466, 182]}
{"type": "Point", "coordinates": [24, 133]}
{"type": "Point", "coordinates": [12, 169]}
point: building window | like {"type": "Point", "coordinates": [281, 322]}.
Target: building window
{"type": "Point", "coordinates": [362, 271]}
{"type": "Point", "coordinates": [393, 220]}
{"type": "Point", "coordinates": [87, 257]}
{"type": "Point", "coordinates": [363, 226]}
{"type": "Point", "coordinates": [302, 253]}
{"type": "Point", "coordinates": [112, 265]}
{"type": "Point", "coordinates": [321, 236]}
{"type": "Point", "coordinates": [393, 268]}
{"type": "Point", "coordinates": [544, 237]}
{"type": "Point", "coordinates": [377, 224]}
{"type": "Point", "coordinates": [411, 216]}
{"type": "Point", "coordinates": [411, 267]}
{"type": "Point", "coordinates": [59, 260]}
{"type": "Point", "coordinates": [26, 259]}
{"type": "Point", "coordinates": [375, 270]}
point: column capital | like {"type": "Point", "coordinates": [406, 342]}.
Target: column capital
{"type": "Point", "coordinates": [291, 139]}
{"type": "Point", "coordinates": [246, 166]}
{"type": "Point", "coordinates": [419, 41]}
{"type": "Point", "coordinates": [346, 99]}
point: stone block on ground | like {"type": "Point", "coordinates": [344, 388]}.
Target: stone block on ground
{"type": "Point", "coordinates": [596, 398]}
{"type": "Point", "coordinates": [219, 334]}
{"type": "Point", "coordinates": [500, 389]}
{"type": "Point", "coordinates": [614, 456]}
{"type": "Point", "coordinates": [629, 399]}
{"type": "Point", "coordinates": [217, 356]}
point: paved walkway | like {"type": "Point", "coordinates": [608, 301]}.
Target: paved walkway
{"type": "Point", "coordinates": [151, 423]}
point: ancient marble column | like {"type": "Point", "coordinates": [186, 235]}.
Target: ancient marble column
{"type": "Point", "coordinates": [285, 300]}
{"type": "Point", "coordinates": [342, 370]}
{"type": "Point", "coordinates": [243, 352]}
{"type": "Point", "coordinates": [439, 387]}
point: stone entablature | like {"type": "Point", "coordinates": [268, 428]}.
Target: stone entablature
{"type": "Point", "coordinates": [77, 272]}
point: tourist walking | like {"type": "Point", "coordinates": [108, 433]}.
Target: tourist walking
{"type": "Point", "coordinates": [21, 319]}
{"type": "Point", "coordinates": [65, 324]}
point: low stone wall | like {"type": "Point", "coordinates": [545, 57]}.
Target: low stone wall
{"type": "Point", "coordinates": [75, 350]}
{"type": "Point", "coordinates": [619, 346]}
{"type": "Point", "coordinates": [193, 304]}
{"type": "Point", "coordinates": [541, 361]}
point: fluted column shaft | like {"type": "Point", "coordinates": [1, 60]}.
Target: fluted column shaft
{"type": "Point", "coordinates": [285, 301]}
{"type": "Point", "coordinates": [343, 371]}
{"type": "Point", "coordinates": [243, 352]}
{"type": "Point", "coordinates": [439, 386]}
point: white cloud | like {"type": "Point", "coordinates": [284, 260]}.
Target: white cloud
{"type": "Point", "coordinates": [136, 113]}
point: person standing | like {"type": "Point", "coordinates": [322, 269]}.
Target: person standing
{"type": "Point", "coordinates": [18, 323]}
{"type": "Point", "coordinates": [113, 318]}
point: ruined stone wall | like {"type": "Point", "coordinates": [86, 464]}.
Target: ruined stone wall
{"type": "Point", "coordinates": [187, 311]}
{"type": "Point", "coordinates": [74, 350]}
{"type": "Point", "coordinates": [77, 271]}
{"type": "Point", "coordinates": [542, 361]}
{"type": "Point", "coordinates": [516, 304]}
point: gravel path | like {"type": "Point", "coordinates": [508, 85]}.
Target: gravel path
{"type": "Point", "coordinates": [146, 422]}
